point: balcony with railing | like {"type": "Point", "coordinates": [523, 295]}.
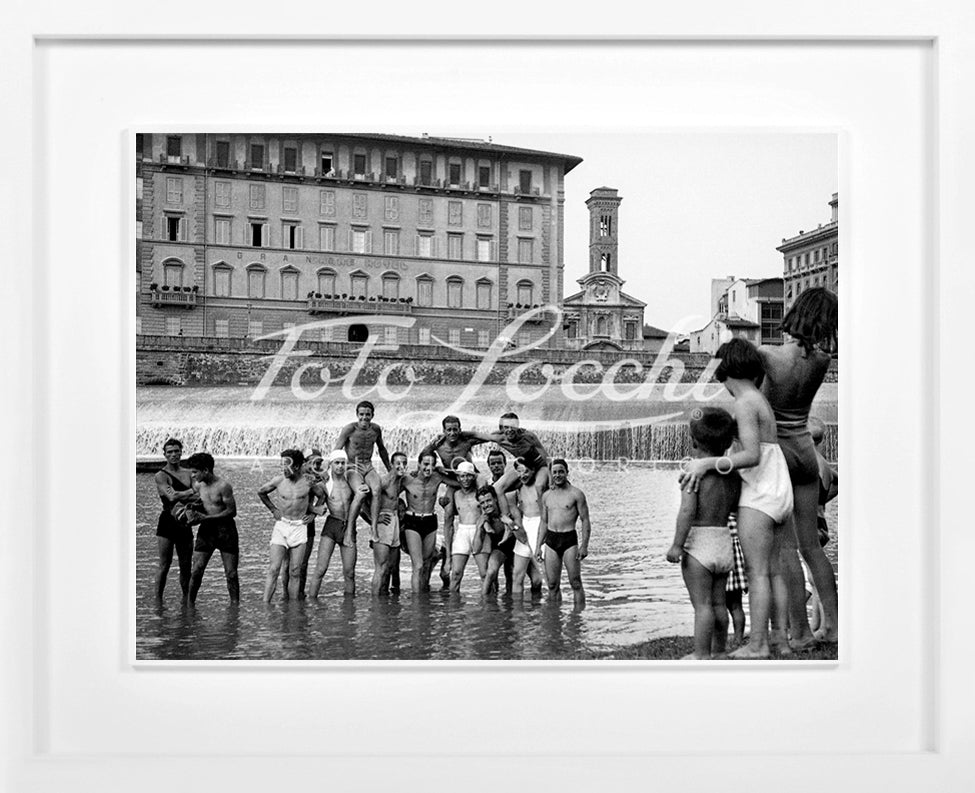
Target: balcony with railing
{"type": "Point", "coordinates": [515, 310]}
{"type": "Point", "coordinates": [345, 304]}
{"type": "Point", "coordinates": [177, 297]}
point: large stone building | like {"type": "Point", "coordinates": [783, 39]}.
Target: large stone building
{"type": "Point", "coordinates": [810, 258]}
{"type": "Point", "coordinates": [242, 235]}
{"type": "Point", "coordinates": [602, 316]}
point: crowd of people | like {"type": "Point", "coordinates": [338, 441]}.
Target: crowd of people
{"type": "Point", "coordinates": [526, 519]}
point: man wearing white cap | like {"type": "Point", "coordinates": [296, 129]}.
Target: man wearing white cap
{"type": "Point", "coordinates": [462, 540]}
{"type": "Point", "coordinates": [342, 507]}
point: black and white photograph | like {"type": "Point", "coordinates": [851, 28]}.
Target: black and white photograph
{"type": "Point", "coordinates": [438, 396]}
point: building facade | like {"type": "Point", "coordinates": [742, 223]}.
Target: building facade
{"type": "Point", "coordinates": [811, 257]}
{"type": "Point", "coordinates": [242, 235]}
{"type": "Point", "coordinates": [602, 316]}
{"type": "Point", "coordinates": [750, 308]}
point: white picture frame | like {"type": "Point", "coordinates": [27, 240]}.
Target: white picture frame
{"type": "Point", "coordinates": [895, 713]}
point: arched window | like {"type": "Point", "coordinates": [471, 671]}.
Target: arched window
{"type": "Point", "coordinates": [173, 273]}
{"type": "Point", "coordinates": [360, 284]}
{"type": "Point", "coordinates": [289, 283]}
{"type": "Point", "coordinates": [604, 262]}
{"type": "Point", "coordinates": [424, 290]}
{"type": "Point", "coordinates": [484, 294]}
{"type": "Point", "coordinates": [391, 286]}
{"type": "Point", "coordinates": [256, 280]}
{"type": "Point", "coordinates": [526, 292]}
{"type": "Point", "coordinates": [455, 292]}
{"type": "Point", "coordinates": [326, 282]}
{"type": "Point", "coordinates": [222, 279]}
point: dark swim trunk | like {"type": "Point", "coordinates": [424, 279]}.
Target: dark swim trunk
{"type": "Point", "coordinates": [217, 534]}
{"type": "Point", "coordinates": [169, 528]}
{"type": "Point", "coordinates": [822, 528]}
{"type": "Point", "coordinates": [334, 529]}
{"type": "Point", "coordinates": [507, 547]}
{"type": "Point", "coordinates": [560, 542]}
{"type": "Point", "coordinates": [422, 525]}
{"type": "Point", "coordinates": [800, 455]}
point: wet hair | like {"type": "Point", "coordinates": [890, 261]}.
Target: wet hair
{"type": "Point", "coordinates": [450, 420]}
{"type": "Point", "coordinates": [365, 403]}
{"type": "Point", "coordinates": [399, 454]}
{"type": "Point", "coordinates": [509, 415]}
{"type": "Point", "coordinates": [817, 428]}
{"type": "Point", "coordinates": [295, 456]}
{"type": "Point", "coordinates": [739, 360]}
{"type": "Point", "coordinates": [173, 442]}
{"type": "Point", "coordinates": [497, 453]}
{"type": "Point", "coordinates": [713, 429]}
{"type": "Point", "coordinates": [201, 461]}
{"type": "Point", "coordinates": [812, 321]}
{"type": "Point", "coordinates": [487, 490]}
{"type": "Point", "coordinates": [559, 461]}
{"type": "Point", "coordinates": [423, 455]}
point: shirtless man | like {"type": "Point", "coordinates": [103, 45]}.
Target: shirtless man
{"type": "Point", "coordinates": [420, 520]}
{"type": "Point", "coordinates": [519, 443]}
{"type": "Point", "coordinates": [357, 440]}
{"type": "Point", "coordinates": [497, 462]}
{"type": "Point", "coordinates": [217, 529]}
{"type": "Point", "coordinates": [461, 540]}
{"type": "Point", "coordinates": [497, 532]}
{"type": "Point", "coordinates": [530, 508]}
{"type": "Point", "coordinates": [290, 533]}
{"type": "Point", "coordinates": [312, 471]}
{"type": "Point", "coordinates": [175, 487]}
{"type": "Point", "coordinates": [385, 532]}
{"type": "Point", "coordinates": [562, 506]}
{"type": "Point", "coordinates": [339, 528]}
{"type": "Point", "coordinates": [452, 446]}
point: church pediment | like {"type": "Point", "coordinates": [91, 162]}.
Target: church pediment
{"type": "Point", "coordinates": [601, 288]}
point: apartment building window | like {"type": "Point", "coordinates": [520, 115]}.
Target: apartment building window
{"type": "Point", "coordinates": [359, 165]}
{"type": "Point", "coordinates": [174, 147]}
{"type": "Point", "coordinates": [485, 247]}
{"type": "Point", "coordinates": [222, 275]}
{"type": "Point", "coordinates": [484, 176]}
{"type": "Point", "coordinates": [327, 163]}
{"type": "Point", "coordinates": [424, 292]}
{"type": "Point", "coordinates": [221, 328]}
{"type": "Point", "coordinates": [326, 238]}
{"type": "Point", "coordinates": [771, 323]}
{"type": "Point", "coordinates": [391, 168]}
{"type": "Point", "coordinates": [360, 285]}
{"type": "Point", "coordinates": [223, 153]}
{"type": "Point", "coordinates": [483, 338]}
{"type": "Point", "coordinates": [359, 201]}
{"type": "Point", "coordinates": [391, 286]}
{"type": "Point", "coordinates": [289, 284]}
{"type": "Point", "coordinates": [455, 213]}
{"type": "Point", "coordinates": [816, 255]}
{"type": "Point", "coordinates": [630, 331]}
{"type": "Point", "coordinates": [255, 328]}
{"type": "Point", "coordinates": [257, 196]}
{"type": "Point", "coordinates": [289, 199]}
{"type": "Point", "coordinates": [260, 234]}
{"type": "Point", "coordinates": [524, 218]}
{"type": "Point", "coordinates": [425, 211]}
{"type": "Point", "coordinates": [484, 289]}
{"type": "Point", "coordinates": [426, 245]}
{"type": "Point", "coordinates": [173, 327]}
{"type": "Point", "coordinates": [257, 157]}
{"type": "Point", "coordinates": [327, 203]}
{"type": "Point", "coordinates": [392, 208]}
{"type": "Point", "coordinates": [455, 292]}
{"type": "Point", "coordinates": [174, 190]}
{"type": "Point", "coordinates": [256, 277]}
{"type": "Point", "coordinates": [292, 235]}
{"type": "Point", "coordinates": [454, 336]}
{"type": "Point", "coordinates": [424, 335]}
{"type": "Point", "coordinates": [525, 181]}
{"type": "Point", "coordinates": [525, 292]}
{"type": "Point", "coordinates": [222, 194]}
{"type": "Point", "coordinates": [221, 231]}
{"type": "Point", "coordinates": [290, 159]}
{"type": "Point", "coordinates": [455, 246]}
{"type": "Point", "coordinates": [326, 282]}
{"type": "Point", "coordinates": [391, 242]}
{"type": "Point", "coordinates": [484, 216]}
{"type": "Point", "coordinates": [426, 172]}
{"type": "Point", "coordinates": [173, 273]}
{"type": "Point", "coordinates": [174, 228]}
{"type": "Point", "coordinates": [453, 174]}
{"type": "Point", "coordinates": [526, 248]}
{"type": "Point", "coordinates": [360, 241]}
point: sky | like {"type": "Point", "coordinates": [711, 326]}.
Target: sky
{"type": "Point", "coordinates": [696, 206]}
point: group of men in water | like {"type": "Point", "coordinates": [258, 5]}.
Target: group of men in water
{"type": "Point", "coordinates": [521, 519]}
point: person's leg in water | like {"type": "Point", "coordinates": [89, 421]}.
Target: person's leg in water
{"type": "Point", "coordinates": [165, 547]}
{"type": "Point", "coordinates": [414, 546]}
{"type": "Point", "coordinates": [230, 562]}
{"type": "Point", "coordinates": [573, 569]}
{"type": "Point", "coordinates": [755, 534]}
{"type": "Point", "coordinates": [326, 545]}
{"type": "Point", "coordinates": [277, 553]}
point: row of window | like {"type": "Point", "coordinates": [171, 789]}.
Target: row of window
{"type": "Point", "coordinates": [600, 327]}
{"type": "Point", "coordinates": [356, 285]}
{"type": "Point", "coordinates": [812, 257]}
{"type": "Point", "coordinates": [256, 328]}
{"type": "Point", "coordinates": [362, 164]}
{"type": "Point", "coordinates": [796, 288]}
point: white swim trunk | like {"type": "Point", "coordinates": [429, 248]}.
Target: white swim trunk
{"type": "Point", "coordinates": [767, 486]}
{"type": "Point", "coordinates": [463, 539]}
{"type": "Point", "coordinates": [289, 532]}
{"type": "Point", "coordinates": [712, 547]}
{"type": "Point", "coordinates": [530, 525]}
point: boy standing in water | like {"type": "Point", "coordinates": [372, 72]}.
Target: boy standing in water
{"type": "Point", "coordinates": [562, 505]}
{"type": "Point", "coordinates": [217, 530]}
{"type": "Point", "coordinates": [358, 440]}
{"type": "Point", "coordinates": [702, 540]}
{"type": "Point", "coordinates": [175, 486]}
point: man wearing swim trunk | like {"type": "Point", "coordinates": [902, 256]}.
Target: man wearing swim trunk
{"type": "Point", "coordinates": [420, 520]}
{"type": "Point", "coordinates": [217, 530]}
{"type": "Point", "coordinates": [339, 526]}
{"type": "Point", "coordinates": [496, 535]}
{"type": "Point", "coordinates": [562, 506]}
{"type": "Point", "coordinates": [519, 443]}
{"type": "Point", "coordinates": [358, 440]}
{"type": "Point", "coordinates": [462, 541]}
{"type": "Point", "coordinates": [175, 487]}
{"type": "Point", "coordinates": [529, 506]}
{"type": "Point", "coordinates": [290, 533]}
{"type": "Point", "coordinates": [385, 533]}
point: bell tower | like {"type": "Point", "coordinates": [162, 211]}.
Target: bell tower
{"type": "Point", "coordinates": [604, 207]}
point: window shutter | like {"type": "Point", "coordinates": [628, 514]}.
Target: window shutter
{"type": "Point", "coordinates": [416, 250]}
{"type": "Point", "coordinates": [299, 237]}
{"type": "Point", "coordinates": [433, 246]}
{"type": "Point", "coordinates": [349, 240]}
{"type": "Point", "coordinates": [183, 223]}
{"type": "Point", "coordinates": [265, 235]}
{"type": "Point", "coordinates": [493, 251]}
{"type": "Point", "coordinates": [369, 241]}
